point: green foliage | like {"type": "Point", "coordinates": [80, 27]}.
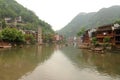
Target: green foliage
{"type": "Point", "coordinates": [106, 39]}
{"type": "Point", "coordinates": [117, 21]}
{"type": "Point", "coordinates": [47, 38]}
{"type": "Point", "coordinates": [12, 35]}
{"type": "Point", "coordinates": [0, 36]}
{"type": "Point", "coordinates": [9, 34]}
{"type": "Point", "coordinates": [3, 24]}
{"type": "Point", "coordinates": [81, 32]}
{"type": "Point", "coordinates": [11, 9]}
{"type": "Point", "coordinates": [30, 38]}
{"type": "Point", "coordinates": [94, 41]}
{"type": "Point", "coordinates": [20, 38]}
{"type": "Point", "coordinates": [47, 34]}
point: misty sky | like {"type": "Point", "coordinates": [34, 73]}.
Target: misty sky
{"type": "Point", "coordinates": [59, 13]}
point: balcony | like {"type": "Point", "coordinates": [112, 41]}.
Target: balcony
{"type": "Point", "coordinates": [102, 35]}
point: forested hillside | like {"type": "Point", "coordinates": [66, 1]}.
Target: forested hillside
{"type": "Point", "coordinates": [91, 20]}
{"type": "Point", "coordinates": [12, 9]}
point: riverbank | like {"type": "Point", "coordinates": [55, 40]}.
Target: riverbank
{"type": "Point", "coordinates": [97, 48]}
{"type": "Point", "coordinates": [5, 45]}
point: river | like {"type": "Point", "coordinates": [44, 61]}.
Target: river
{"type": "Point", "coordinates": [57, 62]}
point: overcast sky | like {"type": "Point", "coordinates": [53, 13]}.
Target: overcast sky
{"type": "Point", "coordinates": [59, 13]}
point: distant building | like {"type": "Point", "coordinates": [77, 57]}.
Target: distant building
{"type": "Point", "coordinates": [8, 20]}
{"type": "Point", "coordinates": [18, 19]}
{"type": "Point", "coordinates": [36, 34]}
{"type": "Point", "coordinates": [58, 38]}
{"type": "Point", "coordinates": [13, 22]}
{"type": "Point", "coordinates": [86, 37]}
{"type": "Point", "coordinates": [70, 40]}
{"type": "Point", "coordinates": [39, 35]}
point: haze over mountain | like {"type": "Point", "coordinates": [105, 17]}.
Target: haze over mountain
{"type": "Point", "coordinates": [91, 20]}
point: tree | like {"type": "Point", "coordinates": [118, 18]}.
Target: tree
{"type": "Point", "coordinates": [3, 24]}
{"type": "Point", "coordinates": [12, 35]}
{"type": "Point", "coordinates": [81, 32]}
{"type": "Point", "coordinates": [11, 9]}
{"type": "Point", "coordinates": [106, 41]}
{"type": "Point", "coordinates": [94, 41]}
{"type": "Point", "coordinates": [9, 34]}
{"type": "Point", "coordinates": [29, 38]}
{"type": "Point", "coordinates": [20, 38]}
{"type": "Point", "coordinates": [0, 36]}
{"type": "Point", "coordinates": [47, 37]}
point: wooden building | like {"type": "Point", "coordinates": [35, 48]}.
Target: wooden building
{"type": "Point", "coordinates": [105, 31]}
{"type": "Point", "coordinates": [86, 38]}
{"type": "Point", "coordinates": [58, 38]}
{"type": "Point", "coordinates": [111, 31]}
{"type": "Point", "coordinates": [116, 35]}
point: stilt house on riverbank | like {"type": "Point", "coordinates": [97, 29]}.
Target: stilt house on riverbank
{"type": "Point", "coordinates": [105, 31]}
{"type": "Point", "coordinates": [112, 31]}
{"type": "Point", "coordinates": [86, 37]}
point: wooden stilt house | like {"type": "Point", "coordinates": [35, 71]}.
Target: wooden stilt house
{"type": "Point", "coordinates": [111, 31]}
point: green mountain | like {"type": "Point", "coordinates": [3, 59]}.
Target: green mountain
{"type": "Point", "coordinates": [91, 20]}
{"type": "Point", "coordinates": [12, 9]}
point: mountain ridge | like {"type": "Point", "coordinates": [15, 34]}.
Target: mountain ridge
{"type": "Point", "coordinates": [91, 20]}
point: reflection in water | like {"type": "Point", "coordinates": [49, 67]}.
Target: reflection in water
{"type": "Point", "coordinates": [16, 62]}
{"type": "Point", "coordinates": [57, 69]}
{"type": "Point", "coordinates": [62, 66]}
{"type": "Point", "coordinates": [57, 63]}
{"type": "Point", "coordinates": [105, 64]}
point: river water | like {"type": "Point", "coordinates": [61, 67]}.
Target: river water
{"type": "Point", "coordinates": [57, 62]}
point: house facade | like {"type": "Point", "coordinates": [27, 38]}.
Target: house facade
{"type": "Point", "coordinates": [86, 37]}
{"type": "Point", "coordinates": [105, 31]}
{"type": "Point", "coordinates": [58, 38]}
{"type": "Point", "coordinates": [111, 31]}
{"type": "Point", "coordinates": [39, 36]}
